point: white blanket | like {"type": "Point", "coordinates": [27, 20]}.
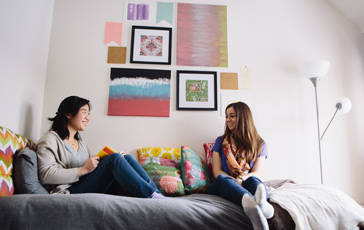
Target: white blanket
{"type": "Point", "coordinates": [318, 206]}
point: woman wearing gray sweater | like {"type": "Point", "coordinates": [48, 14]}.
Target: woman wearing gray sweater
{"type": "Point", "coordinates": [66, 164]}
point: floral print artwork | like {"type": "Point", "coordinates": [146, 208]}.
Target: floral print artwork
{"type": "Point", "coordinates": [151, 45]}
{"type": "Point", "coordinates": [197, 90]}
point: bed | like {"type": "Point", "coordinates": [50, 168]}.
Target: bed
{"type": "Point", "coordinates": [27, 205]}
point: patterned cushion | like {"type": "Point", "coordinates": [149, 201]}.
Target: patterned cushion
{"type": "Point", "coordinates": [165, 173]}
{"type": "Point", "coordinates": [195, 172]}
{"type": "Point", "coordinates": [10, 143]}
{"type": "Point", "coordinates": [208, 154]}
{"type": "Point", "coordinates": [167, 153]}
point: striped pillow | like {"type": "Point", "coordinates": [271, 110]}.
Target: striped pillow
{"type": "Point", "coordinates": [10, 143]}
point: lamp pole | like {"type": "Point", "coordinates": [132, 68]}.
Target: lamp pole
{"type": "Point", "coordinates": [315, 81]}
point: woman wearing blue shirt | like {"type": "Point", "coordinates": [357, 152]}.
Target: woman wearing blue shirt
{"type": "Point", "coordinates": [238, 160]}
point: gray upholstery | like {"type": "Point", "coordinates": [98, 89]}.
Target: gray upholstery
{"type": "Point", "coordinates": [100, 211]}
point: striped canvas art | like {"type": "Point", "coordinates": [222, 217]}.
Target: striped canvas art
{"type": "Point", "coordinates": [139, 92]}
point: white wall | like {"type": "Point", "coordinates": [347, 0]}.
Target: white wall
{"type": "Point", "coordinates": [272, 37]}
{"type": "Point", "coordinates": [24, 42]}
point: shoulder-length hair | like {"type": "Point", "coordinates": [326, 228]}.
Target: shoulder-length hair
{"type": "Point", "coordinates": [69, 106]}
{"type": "Point", "coordinates": [245, 134]}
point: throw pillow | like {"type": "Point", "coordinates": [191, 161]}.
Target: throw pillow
{"type": "Point", "coordinates": [25, 173]}
{"type": "Point", "coordinates": [208, 154]}
{"type": "Point", "coordinates": [10, 143]}
{"type": "Point", "coordinates": [165, 173]}
{"type": "Point", "coordinates": [167, 153]}
{"type": "Point", "coordinates": [195, 172]}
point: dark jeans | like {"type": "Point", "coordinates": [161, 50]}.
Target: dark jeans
{"type": "Point", "coordinates": [124, 171]}
{"type": "Point", "coordinates": [227, 188]}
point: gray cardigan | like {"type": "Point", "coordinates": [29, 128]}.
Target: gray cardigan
{"type": "Point", "coordinates": [54, 168]}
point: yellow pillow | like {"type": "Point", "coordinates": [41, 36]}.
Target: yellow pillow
{"type": "Point", "coordinates": [167, 153]}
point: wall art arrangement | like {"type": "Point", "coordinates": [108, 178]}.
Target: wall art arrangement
{"type": "Point", "coordinates": [196, 90]}
{"type": "Point", "coordinates": [151, 45]}
{"type": "Point", "coordinates": [139, 92]}
{"type": "Point", "coordinates": [201, 41]}
{"type": "Point", "coordinates": [202, 35]}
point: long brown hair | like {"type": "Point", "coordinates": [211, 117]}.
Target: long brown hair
{"type": "Point", "coordinates": [245, 134]}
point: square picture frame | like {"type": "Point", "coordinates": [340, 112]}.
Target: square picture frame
{"type": "Point", "coordinates": [151, 45]}
{"type": "Point", "coordinates": [196, 90]}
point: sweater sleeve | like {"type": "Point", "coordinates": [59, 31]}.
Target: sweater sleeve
{"type": "Point", "coordinates": [53, 165]}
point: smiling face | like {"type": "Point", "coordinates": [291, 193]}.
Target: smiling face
{"type": "Point", "coordinates": [231, 120]}
{"type": "Point", "coordinates": [80, 120]}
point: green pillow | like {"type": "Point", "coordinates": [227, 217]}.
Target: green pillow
{"type": "Point", "coordinates": [165, 173]}
{"type": "Point", "coordinates": [195, 172]}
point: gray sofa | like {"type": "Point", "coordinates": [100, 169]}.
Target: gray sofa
{"type": "Point", "coordinates": [33, 208]}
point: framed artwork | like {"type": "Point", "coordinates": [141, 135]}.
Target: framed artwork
{"type": "Point", "coordinates": [196, 90]}
{"type": "Point", "coordinates": [151, 45]}
{"type": "Point", "coordinates": [139, 92]}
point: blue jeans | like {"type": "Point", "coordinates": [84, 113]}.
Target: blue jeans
{"type": "Point", "coordinates": [226, 187]}
{"type": "Point", "coordinates": [124, 171]}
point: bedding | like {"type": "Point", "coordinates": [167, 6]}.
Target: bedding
{"type": "Point", "coordinates": [318, 206]}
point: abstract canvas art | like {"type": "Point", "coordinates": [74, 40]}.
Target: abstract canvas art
{"type": "Point", "coordinates": [139, 92]}
{"type": "Point", "coordinates": [202, 35]}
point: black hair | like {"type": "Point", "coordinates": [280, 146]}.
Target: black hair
{"type": "Point", "coordinates": [69, 106]}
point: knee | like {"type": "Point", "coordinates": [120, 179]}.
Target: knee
{"type": "Point", "coordinates": [253, 179]}
{"type": "Point", "coordinates": [116, 157]}
{"type": "Point", "coordinates": [222, 178]}
{"type": "Point", "coordinates": [129, 157]}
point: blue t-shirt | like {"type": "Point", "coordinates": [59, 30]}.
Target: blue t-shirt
{"type": "Point", "coordinates": [218, 148]}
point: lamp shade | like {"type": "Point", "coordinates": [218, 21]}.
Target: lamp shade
{"type": "Point", "coordinates": [314, 69]}
{"type": "Point", "coordinates": [343, 104]}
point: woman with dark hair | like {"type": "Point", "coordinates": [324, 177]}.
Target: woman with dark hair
{"type": "Point", "coordinates": [66, 164]}
{"type": "Point", "coordinates": [238, 159]}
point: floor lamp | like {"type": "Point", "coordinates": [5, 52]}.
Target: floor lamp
{"type": "Point", "coordinates": [314, 71]}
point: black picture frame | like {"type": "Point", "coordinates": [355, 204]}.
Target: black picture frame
{"type": "Point", "coordinates": [160, 39]}
{"type": "Point", "coordinates": [196, 90]}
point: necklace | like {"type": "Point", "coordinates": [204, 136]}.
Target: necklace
{"type": "Point", "coordinates": [75, 142]}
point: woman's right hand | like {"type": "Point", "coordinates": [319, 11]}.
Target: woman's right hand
{"type": "Point", "coordinates": [89, 166]}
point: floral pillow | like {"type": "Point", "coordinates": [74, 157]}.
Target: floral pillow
{"type": "Point", "coordinates": [167, 153]}
{"type": "Point", "coordinates": [165, 173]}
{"type": "Point", "coordinates": [208, 154]}
{"type": "Point", "coordinates": [195, 172]}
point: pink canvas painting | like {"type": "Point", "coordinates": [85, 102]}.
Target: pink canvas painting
{"type": "Point", "coordinates": [202, 35]}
